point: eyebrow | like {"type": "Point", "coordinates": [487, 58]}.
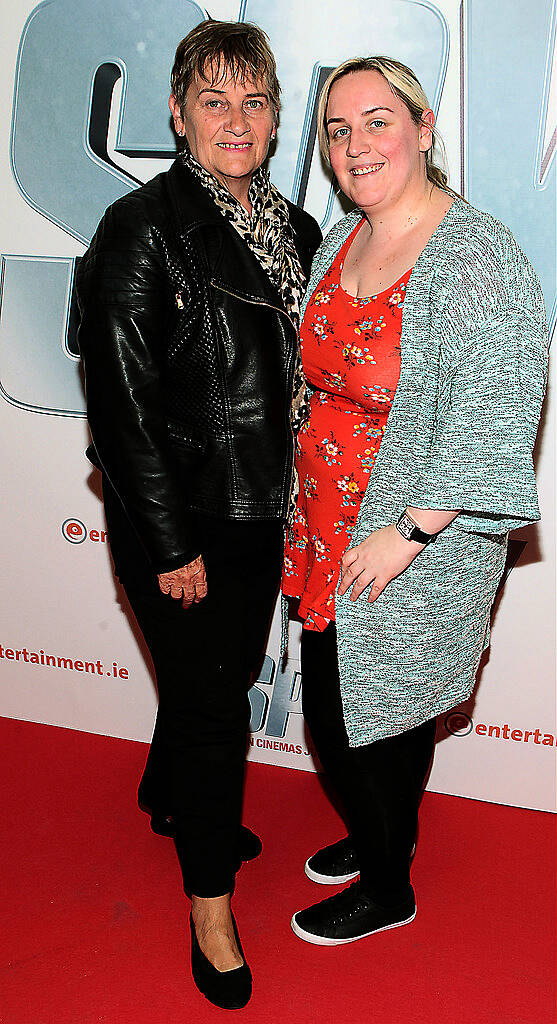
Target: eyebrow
{"type": "Point", "coordinates": [222, 92]}
{"type": "Point", "coordinates": [372, 110]}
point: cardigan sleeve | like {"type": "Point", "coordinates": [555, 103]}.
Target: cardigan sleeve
{"type": "Point", "coordinates": [491, 387]}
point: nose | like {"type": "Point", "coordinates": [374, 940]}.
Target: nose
{"type": "Point", "coordinates": [238, 122]}
{"type": "Point", "coordinates": [358, 143]}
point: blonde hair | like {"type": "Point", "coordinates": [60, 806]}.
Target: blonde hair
{"type": "Point", "coordinates": [219, 48]}
{"type": "Point", "coordinates": [403, 82]}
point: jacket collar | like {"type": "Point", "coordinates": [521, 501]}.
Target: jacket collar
{"type": "Point", "coordinates": [231, 264]}
{"type": "Point", "coordinates": [192, 204]}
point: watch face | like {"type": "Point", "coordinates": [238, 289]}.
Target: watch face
{"type": "Point", "coordinates": [406, 527]}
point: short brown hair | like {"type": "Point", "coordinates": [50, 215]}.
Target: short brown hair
{"type": "Point", "coordinates": [225, 47]}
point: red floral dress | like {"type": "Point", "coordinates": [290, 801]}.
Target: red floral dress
{"type": "Point", "coordinates": [351, 357]}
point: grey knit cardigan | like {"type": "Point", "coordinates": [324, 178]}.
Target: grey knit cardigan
{"type": "Point", "coordinates": [460, 435]}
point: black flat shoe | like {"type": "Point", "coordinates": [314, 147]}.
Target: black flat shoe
{"type": "Point", "coordinates": [231, 990]}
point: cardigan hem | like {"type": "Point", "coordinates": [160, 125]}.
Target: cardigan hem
{"type": "Point", "coordinates": [373, 735]}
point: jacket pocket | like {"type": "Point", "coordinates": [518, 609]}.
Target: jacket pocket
{"type": "Point", "coordinates": [183, 439]}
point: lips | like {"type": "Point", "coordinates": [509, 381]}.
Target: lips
{"type": "Point", "coordinates": [235, 147]}
{"type": "Point", "coordinates": [366, 169]}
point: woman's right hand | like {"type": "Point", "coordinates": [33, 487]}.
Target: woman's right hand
{"type": "Point", "coordinates": [188, 584]}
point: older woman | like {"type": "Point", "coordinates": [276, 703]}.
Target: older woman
{"type": "Point", "coordinates": [423, 339]}
{"type": "Point", "coordinates": [190, 294]}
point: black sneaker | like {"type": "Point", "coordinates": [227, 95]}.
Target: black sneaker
{"type": "Point", "coordinates": [348, 916]}
{"type": "Point", "coordinates": [334, 864]}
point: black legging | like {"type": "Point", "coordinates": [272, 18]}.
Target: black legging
{"type": "Point", "coordinates": [204, 658]}
{"type": "Point", "coordinates": [380, 784]}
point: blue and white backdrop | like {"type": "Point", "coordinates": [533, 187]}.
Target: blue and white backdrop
{"type": "Point", "coordinates": [84, 118]}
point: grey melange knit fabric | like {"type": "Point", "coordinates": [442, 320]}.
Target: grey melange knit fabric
{"type": "Point", "coordinates": [459, 436]}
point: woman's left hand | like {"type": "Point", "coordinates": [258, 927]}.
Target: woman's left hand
{"type": "Point", "coordinates": [378, 559]}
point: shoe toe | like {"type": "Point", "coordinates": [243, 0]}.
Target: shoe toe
{"type": "Point", "coordinates": [334, 864]}
{"type": "Point", "coordinates": [230, 990]}
{"type": "Point", "coordinates": [304, 926]}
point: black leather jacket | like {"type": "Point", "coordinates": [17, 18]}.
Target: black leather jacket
{"type": "Point", "coordinates": [189, 359]}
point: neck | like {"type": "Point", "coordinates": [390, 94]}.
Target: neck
{"type": "Point", "coordinates": [239, 188]}
{"type": "Point", "coordinates": [390, 222]}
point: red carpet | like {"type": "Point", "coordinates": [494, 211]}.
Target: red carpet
{"type": "Point", "coordinates": [93, 925]}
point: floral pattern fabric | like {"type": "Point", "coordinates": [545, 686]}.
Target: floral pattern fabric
{"type": "Point", "coordinates": [351, 357]}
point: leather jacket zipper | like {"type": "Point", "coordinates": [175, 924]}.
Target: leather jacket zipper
{"type": "Point", "coordinates": [254, 302]}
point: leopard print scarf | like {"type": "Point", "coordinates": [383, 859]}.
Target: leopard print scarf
{"type": "Point", "coordinates": [268, 234]}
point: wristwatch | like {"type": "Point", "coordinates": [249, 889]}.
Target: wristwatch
{"type": "Point", "coordinates": [411, 531]}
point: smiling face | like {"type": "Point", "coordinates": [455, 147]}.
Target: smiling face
{"type": "Point", "coordinates": [228, 125]}
{"type": "Point", "coordinates": [376, 149]}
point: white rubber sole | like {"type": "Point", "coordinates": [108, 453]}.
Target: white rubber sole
{"type": "Point", "coordinates": [319, 940]}
{"type": "Point", "coordinates": [328, 879]}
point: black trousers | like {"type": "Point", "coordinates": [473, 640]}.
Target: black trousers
{"type": "Point", "coordinates": [204, 658]}
{"type": "Point", "coordinates": [380, 784]}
